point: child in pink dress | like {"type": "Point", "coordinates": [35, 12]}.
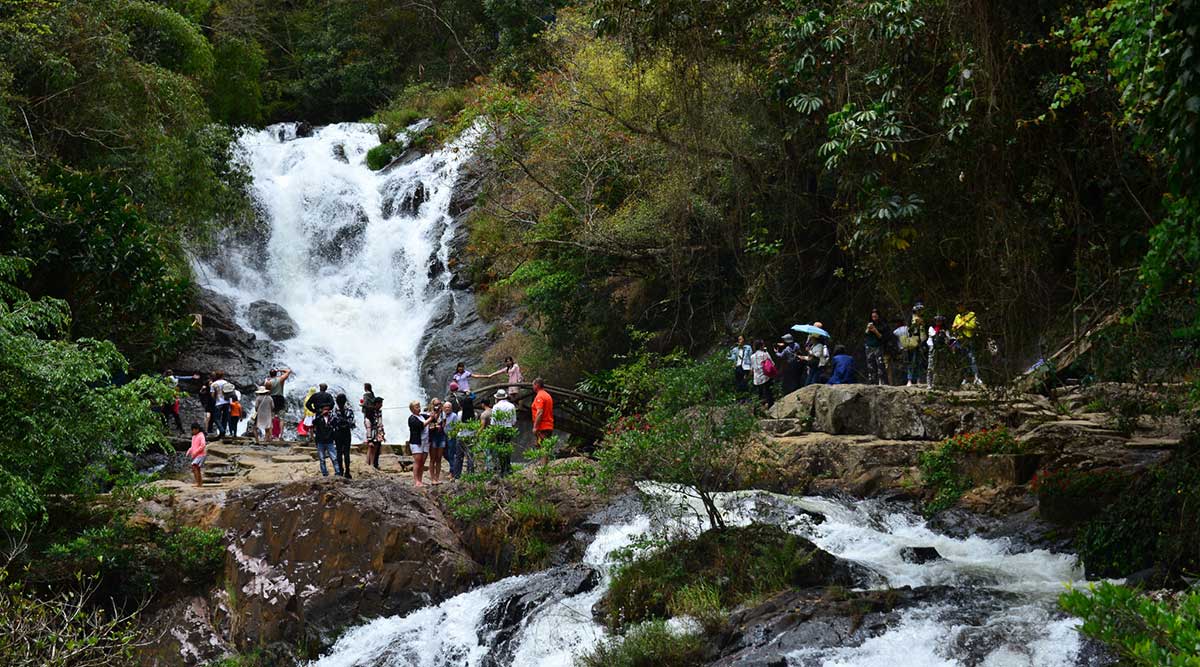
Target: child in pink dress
{"type": "Point", "coordinates": [197, 453]}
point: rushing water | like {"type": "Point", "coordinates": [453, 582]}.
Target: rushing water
{"type": "Point", "coordinates": [999, 611]}
{"type": "Point", "coordinates": [346, 250]}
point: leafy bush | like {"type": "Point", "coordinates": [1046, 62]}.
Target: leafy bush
{"type": "Point", "coordinates": [63, 629]}
{"type": "Point", "coordinates": [938, 465]}
{"type": "Point", "coordinates": [1143, 630]}
{"type": "Point", "coordinates": [652, 644]}
{"type": "Point", "coordinates": [383, 154]}
{"type": "Point", "coordinates": [716, 571]}
{"type": "Point", "coordinates": [69, 429]}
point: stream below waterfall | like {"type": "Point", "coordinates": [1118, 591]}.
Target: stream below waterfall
{"type": "Point", "coordinates": [994, 602]}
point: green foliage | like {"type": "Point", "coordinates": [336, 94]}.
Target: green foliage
{"type": "Point", "coordinates": [66, 628]}
{"type": "Point", "coordinates": [652, 644]}
{"type": "Point", "coordinates": [1152, 523]}
{"type": "Point", "coordinates": [693, 432]}
{"type": "Point", "coordinates": [133, 562]}
{"type": "Point", "coordinates": [69, 429]}
{"type": "Point", "coordinates": [1144, 630]}
{"type": "Point", "coordinates": [939, 466]}
{"type": "Point", "coordinates": [236, 97]}
{"type": "Point", "coordinates": [382, 155]}
{"type": "Point", "coordinates": [95, 248]}
{"type": "Point", "coordinates": [161, 36]}
{"type": "Point", "coordinates": [711, 574]}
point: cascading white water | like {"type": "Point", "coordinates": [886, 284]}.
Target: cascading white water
{"type": "Point", "coordinates": [347, 253]}
{"type": "Point", "coordinates": [1021, 626]}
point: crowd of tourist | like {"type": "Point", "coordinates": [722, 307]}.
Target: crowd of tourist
{"type": "Point", "coordinates": [918, 347]}
{"type": "Point", "coordinates": [435, 437]}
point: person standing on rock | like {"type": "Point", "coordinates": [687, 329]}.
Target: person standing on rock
{"type": "Point", "coordinates": [763, 368]}
{"type": "Point", "coordinates": [789, 362]}
{"type": "Point", "coordinates": [197, 453]}
{"type": "Point", "coordinates": [817, 357]}
{"type": "Point", "coordinates": [462, 377]}
{"type": "Point", "coordinates": [450, 421]}
{"type": "Point", "coordinates": [873, 345]}
{"type": "Point", "coordinates": [375, 433]}
{"type": "Point", "coordinates": [915, 345]}
{"type": "Point", "coordinates": [367, 402]}
{"type": "Point", "coordinates": [206, 399]}
{"type": "Point", "coordinates": [938, 343]}
{"type": "Point", "coordinates": [343, 418]}
{"type": "Point", "coordinates": [324, 428]}
{"type": "Point", "coordinates": [170, 409]}
{"type": "Point", "coordinates": [264, 413]}
{"type": "Point", "coordinates": [740, 355]}
{"type": "Point", "coordinates": [543, 413]}
{"type": "Point", "coordinates": [418, 440]}
{"type": "Point", "coordinates": [437, 440]}
{"type": "Point", "coordinates": [843, 367]}
{"type": "Point", "coordinates": [274, 384]}
{"type": "Point", "coordinates": [321, 399]}
{"type": "Point", "coordinates": [963, 330]}
{"type": "Point", "coordinates": [236, 412]}
{"type": "Point", "coordinates": [504, 413]}
{"type": "Point", "coordinates": [222, 393]}
{"type": "Point", "coordinates": [463, 403]}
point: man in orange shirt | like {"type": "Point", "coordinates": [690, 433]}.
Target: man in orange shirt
{"type": "Point", "coordinates": [543, 411]}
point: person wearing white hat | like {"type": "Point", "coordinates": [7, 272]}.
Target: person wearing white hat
{"type": "Point", "coordinates": [264, 413]}
{"type": "Point", "coordinates": [504, 413]}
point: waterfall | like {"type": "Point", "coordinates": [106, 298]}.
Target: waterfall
{"type": "Point", "coordinates": [995, 605]}
{"type": "Point", "coordinates": [356, 257]}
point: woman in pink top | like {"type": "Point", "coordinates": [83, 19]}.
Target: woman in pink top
{"type": "Point", "coordinates": [197, 452]}
{"type": "Point", "coordinates": [514, 374]}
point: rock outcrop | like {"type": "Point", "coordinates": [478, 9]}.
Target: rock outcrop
{"type": "Point", "coordinates": [306, 558]}
{"type": "Point", "coordinates": [273, 320]}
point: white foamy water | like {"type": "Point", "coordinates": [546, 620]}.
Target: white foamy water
{"type": "Point", "coordinates": [344, 254]}
{"type": "Point", "coordinates": [999, 611]}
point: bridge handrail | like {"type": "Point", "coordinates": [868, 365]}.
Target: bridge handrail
{"type": "Point", "coordinates": [558, 391]}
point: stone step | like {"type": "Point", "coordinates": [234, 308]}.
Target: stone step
{"type": "Point", "coordinates": [1152, 443]}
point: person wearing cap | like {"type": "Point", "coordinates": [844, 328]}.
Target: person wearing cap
{"type": "Point", "coordinates": [915, 345]}
{"type": "Point", "coordinates": [264, 413]}
{"type": "Point", "coordinates": [504, 413]}
{"type": "Point", "coordinates": [788, 352]}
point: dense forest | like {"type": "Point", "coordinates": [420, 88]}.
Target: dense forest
{"type": "Point", "coordinates": [658, 174]}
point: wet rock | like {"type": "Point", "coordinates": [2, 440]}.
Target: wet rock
{"type": "Point", "coordinates": [456, 333]}
{"type": "Point", "coordinates": [304, 129]}
{"type": "Point", "coordinates": [403, 201]}
{"type": "Point", "coordinates": [273, 320]}
{"type": "Point", "coordinates": [339, 153]}
{"type": "Point", "coordinates": [409, 156]}
{"type": "Point", "coordinates": [220, 344]}
{"type": "Point", "coordinates": [920, 555]}
{"type": "Point", "coordinates": [306, 558]}
{"type": "Point", "coordinates": [505, 617]}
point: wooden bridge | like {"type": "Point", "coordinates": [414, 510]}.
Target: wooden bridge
{"type": "Point", "coordinates": [575, 412]}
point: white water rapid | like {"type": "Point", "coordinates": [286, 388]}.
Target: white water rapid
{"type": "Point", "coordinates": [346, 251]}
{"type": "Point", "coordinates": [997, 608]}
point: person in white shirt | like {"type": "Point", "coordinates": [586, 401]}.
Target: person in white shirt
{"type": "Point", "coordinates": [762, 381]}
{"type": "Point", "coordinates": [504, 413]}
{"type": "Point", "coordinates": [222, 393]}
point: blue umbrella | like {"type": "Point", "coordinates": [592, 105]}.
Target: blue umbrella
{"type": "Point", "coordinates": [810, 329]}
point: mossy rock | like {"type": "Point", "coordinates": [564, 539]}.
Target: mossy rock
{"type": "Point", "coordinates": [731, 566]}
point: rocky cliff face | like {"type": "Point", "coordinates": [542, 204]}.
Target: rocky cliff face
{"type": "Point", "coordinates": [307, 558]}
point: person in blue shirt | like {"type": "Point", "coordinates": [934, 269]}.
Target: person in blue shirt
{"type": "Point", "coordinates": [843, 366]}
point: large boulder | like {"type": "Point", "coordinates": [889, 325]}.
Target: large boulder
{"type": "Point", "coordinates": [273, 320]}
{"type": "Point", "coordinates": [904, 413]}
{"type": "Point", "coordinates": [309, 557]}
